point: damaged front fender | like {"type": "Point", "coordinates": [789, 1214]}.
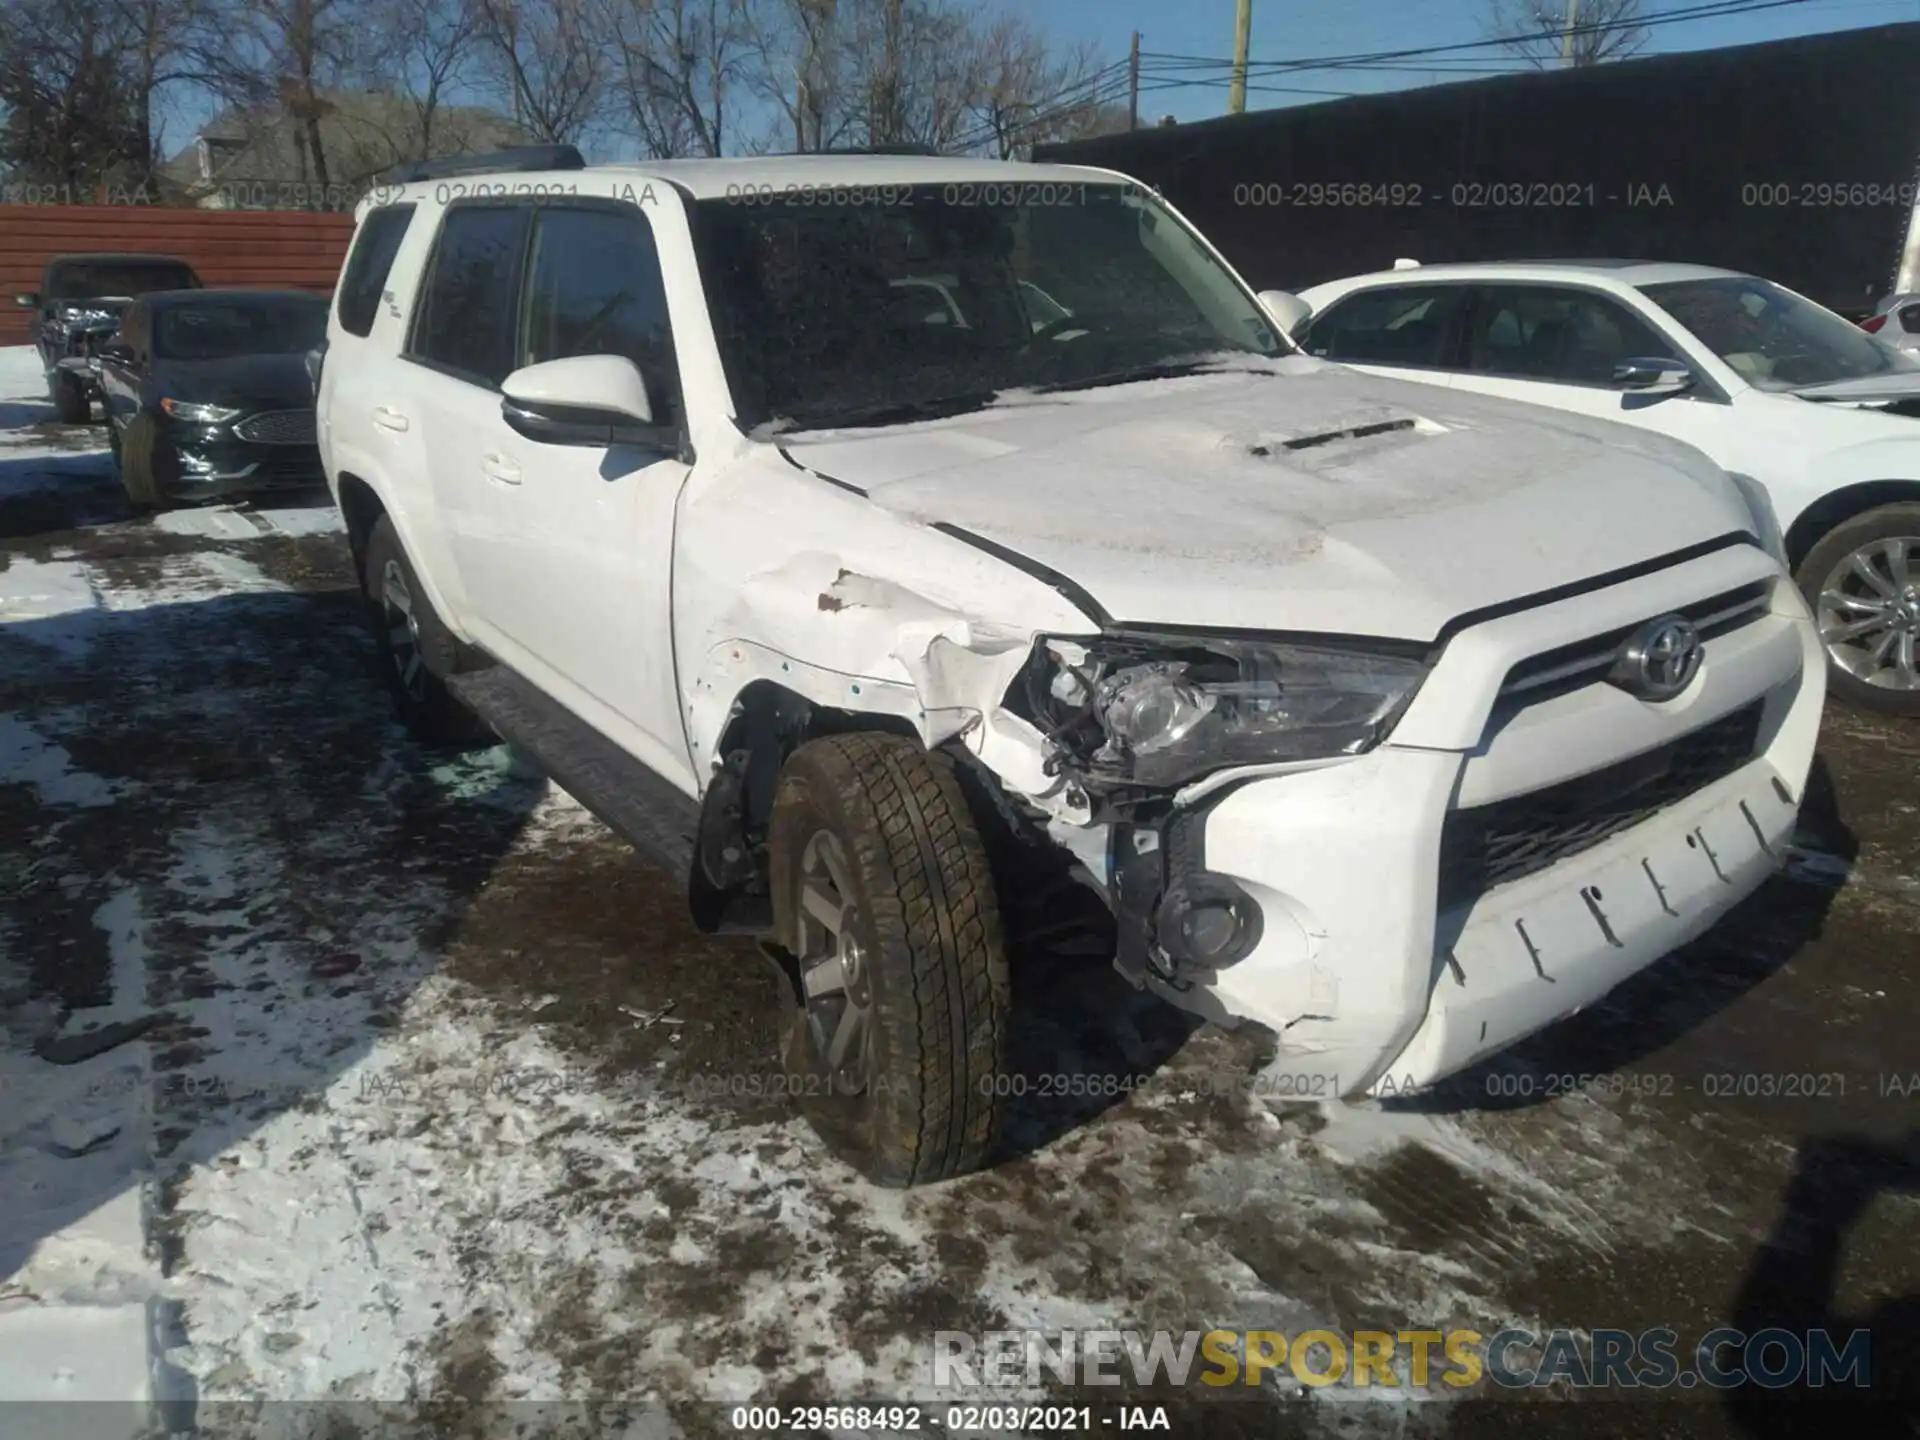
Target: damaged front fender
{"type": "Point", "coordinates": [864, 644]}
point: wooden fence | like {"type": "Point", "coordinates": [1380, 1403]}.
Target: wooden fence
{"type": "Point", "coordinates": [292, 249]}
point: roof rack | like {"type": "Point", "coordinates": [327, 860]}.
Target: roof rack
{"type": "Point", "coordinates": [525, 159]}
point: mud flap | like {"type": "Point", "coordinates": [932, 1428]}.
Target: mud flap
{"type": "Point", "coordinates": [726, 888]}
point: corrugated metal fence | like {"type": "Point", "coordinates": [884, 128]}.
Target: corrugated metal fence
{"type": "Point", "coordinates": [298, 249]}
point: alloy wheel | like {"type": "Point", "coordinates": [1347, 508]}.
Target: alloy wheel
{"type": "Point", "coordinates": [403, 630]}
{"type": "Point", "coordinates": [835, 968]}
{"type": "Point", "coordinates": [1868, 611]}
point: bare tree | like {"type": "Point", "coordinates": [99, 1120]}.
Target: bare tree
{"type": "Point", "coordinates": [1026, 95]}
{"type": "Point", "coordinates": [61, 77]}
{"type": "Point", "coordinates": [79, 85]}
{"type": "Point", "coordinates": [548, 61]}
{"type": "Point", "coordinates": [158, 57]}
{"type": "Point", "coordinates": [914, 68]}
{"type": "Point", "coordinates": [796, 70]}
{"type": "Point", "coordinates": [680, 65]}
{"type": "Point", "coordinates": [426, 48]}
{"type": "Point", "coordinates": [948, 74]}
{"type": "Point", "coordinates": [1549, 33]}
{"type": "Point", "coordinates": [277, 60]}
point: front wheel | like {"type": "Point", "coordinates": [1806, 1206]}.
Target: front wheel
{"type": "Point", "coordinates": [884, 899]}
{"type": "Point", "coordinates": [70, 402]}
{"type": "Point", "coordinates": [1862, 582]}
{"type": "Point", "coordinates": [133, 453]}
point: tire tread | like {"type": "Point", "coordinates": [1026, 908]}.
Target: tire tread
{"type": "Point", "coordinates": [931, 889]}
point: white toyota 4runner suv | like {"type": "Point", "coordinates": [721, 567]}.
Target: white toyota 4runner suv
{"type": "Point", "coordinates": [864, 535]}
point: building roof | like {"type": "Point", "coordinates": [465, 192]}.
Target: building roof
{"type": "Point", "coordinates": [361, 134]}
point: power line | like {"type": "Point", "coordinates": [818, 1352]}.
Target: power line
{"type": "Point", "coordinates": [1716, 10]}
{"type": "Point", "coordinates": [1103, 87]}
{"type": "Point", "coordinates": [1100, 88]}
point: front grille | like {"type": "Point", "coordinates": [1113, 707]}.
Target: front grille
{"type": "Point", "coordinates": [279, 427]}
{"type": "Point", "coordinates": [292, 469]}
{"type": "Point", "coordinates": [1539, 677]}
{"type": "Point", "coordinates": [1498, 843]}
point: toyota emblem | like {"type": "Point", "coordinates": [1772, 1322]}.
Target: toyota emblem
{"type": "Point", "coordinates": [1659, 659]}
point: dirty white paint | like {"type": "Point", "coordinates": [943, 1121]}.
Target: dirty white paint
{"type": "Point", "coordinates": [1168, 514]}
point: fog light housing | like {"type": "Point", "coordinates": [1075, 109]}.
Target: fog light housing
{"type": "Point", "coordinates": [1208, 921]}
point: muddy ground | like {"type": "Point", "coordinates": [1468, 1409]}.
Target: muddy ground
{"type": "Point", "coordinates": [453, 1107]}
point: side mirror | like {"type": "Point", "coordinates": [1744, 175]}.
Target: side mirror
{"type": "Point", "coordinates": [29, 301]}
{"type": "Point", "coordinates": [1653, 375]}
{"type": "Point", "coordinates": [1289, 312]}
{"type": "Point", "coordinates": [597, 400]}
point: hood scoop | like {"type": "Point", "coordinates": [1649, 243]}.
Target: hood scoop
{"type": "Point", "coordinates": [1327, 437]}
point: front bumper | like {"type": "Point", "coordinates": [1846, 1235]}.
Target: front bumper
{"type": "Point", "coordinates": [1377, 974]}
{"type": "Point", "coordinates": [83, 370]}
{"type": "Point", "coordinates": [202, 462]}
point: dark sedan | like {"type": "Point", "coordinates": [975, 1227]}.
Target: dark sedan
{"type": "Point", "coordinates": [208, 394]}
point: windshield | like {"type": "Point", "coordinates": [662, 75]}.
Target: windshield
{"type": "Point", "coordinates": [933, 298]}
{"type": "Point", "coordinates": [106, 279]}
{"type": "Point", "coordinates": [1775, 339]}
{"type": "Point", "coordinates": [219, 332]}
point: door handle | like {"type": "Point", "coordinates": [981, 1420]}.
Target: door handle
{"type": "Point", "coordinates": [387, 418]}
{"type": "Point", "coordinates": [499, 467]}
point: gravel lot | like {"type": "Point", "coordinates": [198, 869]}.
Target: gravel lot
{"type": "Point", "coordinates": [436, 1102]}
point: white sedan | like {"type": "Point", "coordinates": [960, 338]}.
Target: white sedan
{"type": "Point", "coordinates": [1824, 416]}
{"type": "Point", "coordinates": [1897, 321]}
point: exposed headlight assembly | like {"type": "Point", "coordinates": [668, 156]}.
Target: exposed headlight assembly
{"type": "Point", "coordinates": [1161, 711]}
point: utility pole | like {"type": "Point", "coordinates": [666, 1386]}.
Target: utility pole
{"type": "Point", "coordinates": [1133, 84]}
{"type": "Point", "coordinates": [1242, 37]}
{"type": "Point", "coordinates": [1566, 38]}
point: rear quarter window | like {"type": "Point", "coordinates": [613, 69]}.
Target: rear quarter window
{"type": "Point", "coordinates": [365, 278]}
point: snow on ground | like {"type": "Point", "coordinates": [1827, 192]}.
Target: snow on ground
{"type": "Point", "coordinates": [21, 377]}
{"type": "Point", "coordinates": [443, 1102]}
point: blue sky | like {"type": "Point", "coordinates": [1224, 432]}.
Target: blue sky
{"type": "Point", "coordinates": [1301, 29]}
{"type": "Point", "coordinates": [1295, 30]}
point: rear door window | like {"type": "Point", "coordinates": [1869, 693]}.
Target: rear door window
{"type": "Point", "coordinates": [365, 279]}
{"type": "Point", "coordinates": [1417, 326]}
{"type": "Point", "coordinates": [463, 323]}
{"type": "Point", "coordinates": [1910, 318]}
{"type": "Point", "coordinates": [1538, 332]}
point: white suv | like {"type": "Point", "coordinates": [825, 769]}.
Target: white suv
{"type": "Point", "coordinates": [870, 537]}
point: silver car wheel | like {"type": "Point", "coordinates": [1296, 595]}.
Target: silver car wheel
{"type": "Point", "coordinates": [403, 630]}
{"type": "Point", "coordinates": [1869, 613]}
{"type": "Point", "coordinates": [835, 972]}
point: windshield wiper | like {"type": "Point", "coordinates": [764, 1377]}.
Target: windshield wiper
{"type": "Point", "coordinates": [1157, 370]}
{"type": "Point", "coordinates": [887, 412]}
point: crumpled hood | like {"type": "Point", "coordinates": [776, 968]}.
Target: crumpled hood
{"type": "Point", "coordinates": [79, 315]}
{"type": "Point", "coordinates": [1298, 497]}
